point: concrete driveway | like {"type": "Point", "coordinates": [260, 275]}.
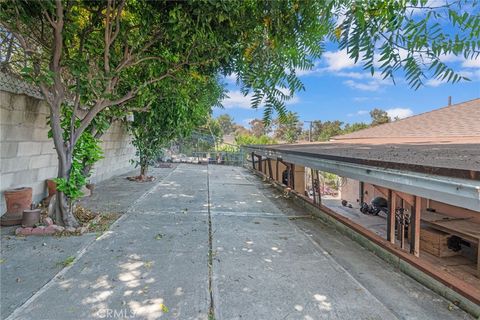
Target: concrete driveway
{"type": "Point", "coordinates": [217, 243]}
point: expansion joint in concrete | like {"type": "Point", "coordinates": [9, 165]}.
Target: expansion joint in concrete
{"type": "Point", "coordinates": [211, 311]}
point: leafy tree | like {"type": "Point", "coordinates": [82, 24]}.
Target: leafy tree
{"type": "Point", "coordinates": [226, 123]}
{"type": "Point", "coordinates": [259, 128]}
{"type": "Point", "coordinates": [247, 139]}
{"type": "Point", "coordinates": [379, 116]}
{"type": "Point", "coordinates": [356, 126]}
{"type": "Point", "coordinates": [239, 130]}
{"type": "Point", "coordinates": [323, 131]}
{"type": "Point", "coordinates": [178, 109]}
{"type": "Point", "coordinates": [89, 52]}
{"type": "Point", "coordinates": [288, 128]}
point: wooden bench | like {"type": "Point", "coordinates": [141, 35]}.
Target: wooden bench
{"type": "Point", "coordinates": [460, 227]}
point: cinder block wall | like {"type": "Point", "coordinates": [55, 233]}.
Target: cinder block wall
{"type": "Point", "coordinates": [28, 156]}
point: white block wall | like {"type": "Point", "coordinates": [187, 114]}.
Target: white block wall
{"type": "Point", "coordinates": [28, 157]}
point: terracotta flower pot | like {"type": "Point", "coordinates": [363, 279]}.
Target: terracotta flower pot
{"type": "Point", "coordinates": [17, 200]}
{"type": "Point", "coordinates": [31, 217]}
{"type": "Point", "coordinates": [52, 189]}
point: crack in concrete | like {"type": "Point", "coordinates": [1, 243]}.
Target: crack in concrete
{"type": "Point", "coordinates": [211, 311]}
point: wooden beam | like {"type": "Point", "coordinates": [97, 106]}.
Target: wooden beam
{"type": "Point", "coordinates": [361, 192]}
{"type": "Point", "coordinates": [276, 169]}
{"type": "Point", "coordinates": [392, 200]}
{"type": "Point", "coordinates": [415, 227]}
{"type": "Point", "coordinates": [253, 161]}
{"type": "Point", "coordinates": [292, 176]}
{"type": "Point", "coordinates": [319, 190]}
{"type": "Point", "coordinates": [408, 198]}
{"type": "Point", "coordinates": [270, 171]}
{"type": "Point", "coordinates": [405, 196]}
{"type": "Point", "coordinates": [313, 187]}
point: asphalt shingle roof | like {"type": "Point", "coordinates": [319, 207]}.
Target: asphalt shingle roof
{"type": "Point", "coordinates": [458, 120]}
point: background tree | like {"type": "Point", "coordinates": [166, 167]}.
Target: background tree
{"type": "Point", "coordinates": [379, 116]}
{"type": "Point", "coordinates": [226, 123]}
{"type": "Point", "coordinates": [323, 131]}
{"type": "Point", "coordinates": [239, 130]}
{"type": "Point", "coordinates": [356, 126]}
{"type": "Point", "coordinates": [259, 128]}
{"type": "Point", "coordinates": [288, 128]}
{"type": "Point", "coordinates": [247, 139]}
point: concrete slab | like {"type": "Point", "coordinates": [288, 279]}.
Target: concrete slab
{"type": "Point", "coordinates": [116, 194]}
{"type": "Point", "coordinates": [184, 191]}
{"type": "Point", "coordinates": [29, 263]}
{"type": "Point", "coordinates": [272, 267]}
{"type": "Point", "coordinates": [155, 263]}
{"type": "Point", "coordinates": [265, 268]}
{"type": "Point", "coordinates": [145, 263]}
{"type": "Point", "coordinates": [233, 190]}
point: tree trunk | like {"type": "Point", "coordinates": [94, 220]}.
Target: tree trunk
{"type": "Point", "coordinates": [143, 170]}
{"type": "Point", "coordinates": [64, 206]}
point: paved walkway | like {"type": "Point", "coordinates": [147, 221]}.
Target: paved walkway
{"type": "Point", "coordinates": [217, 243]}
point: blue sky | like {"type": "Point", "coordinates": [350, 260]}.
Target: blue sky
{"type": "Point", "coordinates": [337, 89]}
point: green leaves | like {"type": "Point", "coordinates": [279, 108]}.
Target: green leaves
{"type": "Point", "coordinates": [176, 107]}
{"type": "Point", "coordinates": [412, 36]}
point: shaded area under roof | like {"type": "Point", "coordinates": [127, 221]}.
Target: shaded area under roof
{"type": "Point", "coordinates": [459, 160]}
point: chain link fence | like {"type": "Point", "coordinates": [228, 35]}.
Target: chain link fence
{"type": "Point", "coordinates": [12, 84]}
{"type": "Point", "coordinates": [202, 147]}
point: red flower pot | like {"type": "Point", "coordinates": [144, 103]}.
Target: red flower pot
{"type": "Point", "coordinates": [17, 200]}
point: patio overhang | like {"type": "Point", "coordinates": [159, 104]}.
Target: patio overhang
{"type": "Point", "coordinates": [459, 192]}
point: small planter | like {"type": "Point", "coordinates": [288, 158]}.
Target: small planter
{"type": "Point", "coordinates": [91, 187]}
{"type": "Point", "coordinates": [52, 189]}
{"type": "Point", "coordinates": [17, 200]}
{"type": "Point", "coordinates": [31, 218]}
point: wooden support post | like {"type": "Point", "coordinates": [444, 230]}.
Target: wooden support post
{"type": "Point", "coordinates": [399, 234]}
{"type": "Point", "coordinates": [313, 187]}
{"type": "Point", "coordinates": [253, 161]}
{"type": "Point", "coordinates": [260, 163]}
{"type": "Point", "coordinates": [289, 176]}
{"type": "Point", "coordinates": [319, 190]}
{"type": "Point", "coordinates": [361, 193]}
{"type": "Point", "coordinates": [270, 173]}
{"type": "Point", "coordinates": [292, 176]}
{"type": "Point", "coordinates": [415, 227]}
{"type": "Point", "coordinates": [392, 201]}
{"type": "Point", "coordinates": [276, 169]}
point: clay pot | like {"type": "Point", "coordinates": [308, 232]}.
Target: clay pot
{"type": "Point", "coordinates": [52, 189]}
{"type": "Point", "coordinates": [17, 200]}
{"type": "Point", "coordinates": [31, 217]}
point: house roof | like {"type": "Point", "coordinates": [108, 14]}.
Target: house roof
{"type": "Point", "coordinates": [442, 142]}
{"type": "Point", "coordinates": [458, 120]}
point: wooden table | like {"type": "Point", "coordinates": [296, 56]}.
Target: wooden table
{"type": "Point", "coordinates": [461, 227]}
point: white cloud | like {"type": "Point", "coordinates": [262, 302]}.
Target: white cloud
{"type": "Point", "coordinates": [358, 113]}
{"type": "Point", "coordinates": [362, 99]}
{"type": "Point", "coordinates": [236, 99]}
{"type": "Point", "coordinates": [399, 112]}
{"type": "Point", "coordinates": [292, 100]}
{"type": "Point", "coordinates": [471, 63]}
{"type": "Point", "coordinates": [473, 75]}
{"type": "Point", "coordinates": [368, 86]}
{"type": "Point", "coordinates": [338, 60]}
{"type": "Point", "coordinates": [434, 82]}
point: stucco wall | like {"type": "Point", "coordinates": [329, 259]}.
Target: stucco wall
{"type": "Point", "coordinates": [27, 155]}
